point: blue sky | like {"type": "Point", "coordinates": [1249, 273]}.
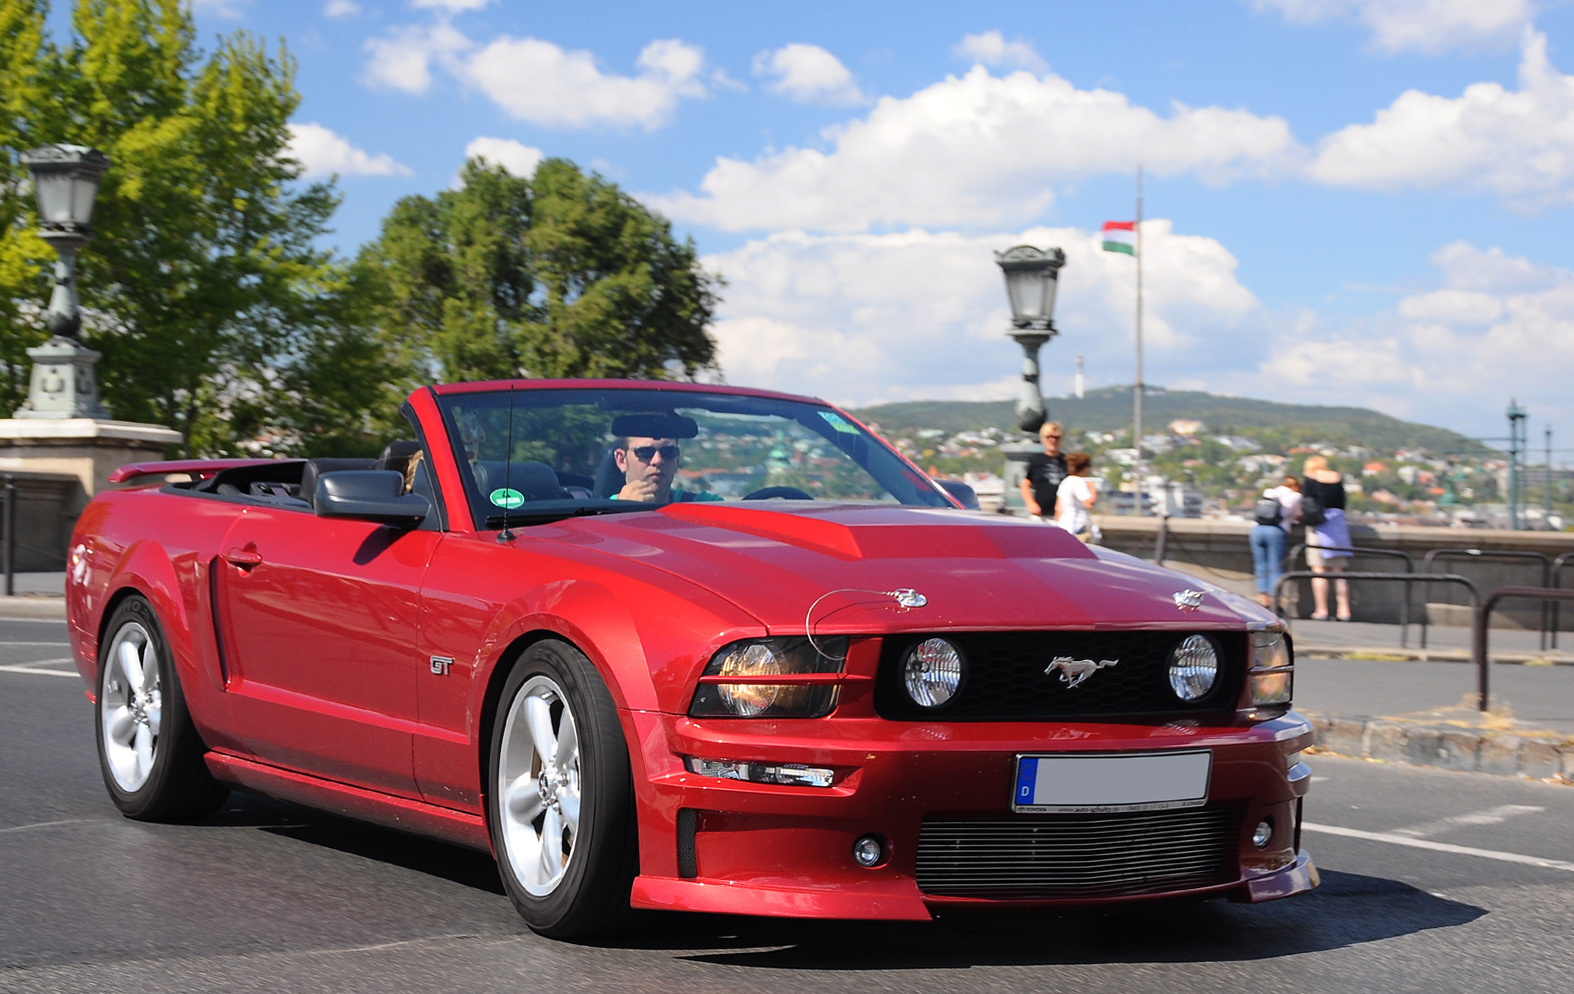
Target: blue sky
{"type": "Point", "coordinates": [1347, 201]}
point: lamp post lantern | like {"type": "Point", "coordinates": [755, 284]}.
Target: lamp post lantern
{"type": "Point", "coordinates": [65, 182]}
{"type": "Point", "coordinates": [1032, 277]}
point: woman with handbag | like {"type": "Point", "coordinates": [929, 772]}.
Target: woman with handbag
{"type": "Point", "coordinates": [1327, 535]}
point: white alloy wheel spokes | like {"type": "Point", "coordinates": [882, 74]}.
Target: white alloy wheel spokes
{"type": "Point", "coordinates": [131, 705]}
{"type": "Point", "coordinates": [538, 785]}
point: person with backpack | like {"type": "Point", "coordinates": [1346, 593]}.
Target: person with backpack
{"type": "Point", "coordinates": [1276, 510]}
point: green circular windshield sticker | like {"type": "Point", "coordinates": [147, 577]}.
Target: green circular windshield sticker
{"type": "Point", "coordinates": [507, 498]}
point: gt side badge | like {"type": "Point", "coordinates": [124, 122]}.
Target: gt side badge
{"type": "Point", "coordinates": [440, 664]}
{"type": "Point", "coordinates": [1188, 600]}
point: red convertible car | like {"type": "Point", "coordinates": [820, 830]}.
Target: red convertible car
{"type": "Point", "coordinates": [688, 647]}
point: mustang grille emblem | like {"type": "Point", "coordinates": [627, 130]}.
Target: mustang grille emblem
{"type": "Point", "coordinates": [1188, 600]}
{"type": "Point", "coordinates": [1074, 671]}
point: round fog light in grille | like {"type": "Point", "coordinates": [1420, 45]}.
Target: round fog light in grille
{"type": "Point", "coordinates": [932, 672]}
{"type": "Point", "coordinates": [868, 852]}
{"type": "Point", "coordinates": [1194, 666]}
{"type": "Point", "coordinates": [1262, 833]}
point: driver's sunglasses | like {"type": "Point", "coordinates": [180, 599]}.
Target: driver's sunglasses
{"type": "Point", "coordinates": [645, 453]}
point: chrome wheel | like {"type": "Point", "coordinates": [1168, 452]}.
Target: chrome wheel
{"type": "Point", "coordinates": [131, 706]}
{"type": "Point", "coordinates": [538, 785]}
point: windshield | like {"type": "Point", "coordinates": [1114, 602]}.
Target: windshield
{"type": "Point", "coordinates": [543, 454]}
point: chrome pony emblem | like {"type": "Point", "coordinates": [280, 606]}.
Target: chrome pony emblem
{"type": "Point", "coordinates": [1188, 600]}
{"type": "Point", "coordinates": [1074, 671]}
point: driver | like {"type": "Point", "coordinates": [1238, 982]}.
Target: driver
{"type": "Point", "coordinates": [648, 466]}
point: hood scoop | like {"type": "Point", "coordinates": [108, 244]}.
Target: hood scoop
{"type": "Point", "coordinates": [852, 533]}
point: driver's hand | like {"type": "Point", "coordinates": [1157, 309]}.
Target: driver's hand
{"type": "Point", "coordinates": [638, 490]}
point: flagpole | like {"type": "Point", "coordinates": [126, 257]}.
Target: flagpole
{"type": "Point", "coordinates": [1136, 393]}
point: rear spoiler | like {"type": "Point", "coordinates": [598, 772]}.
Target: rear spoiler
{"type": "Point", "coordinates": [197, 469]}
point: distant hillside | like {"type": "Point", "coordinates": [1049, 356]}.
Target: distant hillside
{"type": "Point", "coordinates": [1109, 409]}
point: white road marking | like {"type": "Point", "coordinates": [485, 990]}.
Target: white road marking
{"type": "Point", "coordinates": [44, 824]}
{"type": "Point", "coordinates": [36, 668]}
{"type": "Point", "coordinates": [1491, 816]}
{"type": "Point", "coordinates": [1404, 840]}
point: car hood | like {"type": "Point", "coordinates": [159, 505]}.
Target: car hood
{"type": "Point", "coordinates": [839, 568]}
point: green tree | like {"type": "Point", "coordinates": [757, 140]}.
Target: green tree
{"type": "Point", "coordinates": [23, 54]}
{"type": "Point", "coordinates": [202, 282]}
{"type": "Point", "coordinates": [560, 275]}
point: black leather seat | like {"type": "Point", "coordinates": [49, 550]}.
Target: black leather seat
{"type": "Point", "coordinates": [534, 480]}
{"type": "Point", "coordinates": [317, 467]}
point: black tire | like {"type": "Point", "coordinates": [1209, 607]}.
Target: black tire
{"type": "Point", "coordinates": [596, 856]}
{"type": "Point", "coordinates": [157, 772]}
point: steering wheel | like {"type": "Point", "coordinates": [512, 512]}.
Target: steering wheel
{"type": "Point", "coordinates": [766, 493]}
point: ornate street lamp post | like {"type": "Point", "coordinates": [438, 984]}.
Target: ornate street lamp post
{"type": "Point", "coordinates": [65, 181]}
{"type": "Point", "coordinates": [1032, 276]}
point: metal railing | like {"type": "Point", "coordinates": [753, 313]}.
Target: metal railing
{"type": "Point", "coordinates": [1496, 554]}
{"type": "Point", "coordinates": [1555, 580]}
{"type": "Point", "coordinates": [1479, 627]}
{"type": "Point", "coordinates": [1407, 579]}
{"type": "Point", "coordinates": [1410, 567]}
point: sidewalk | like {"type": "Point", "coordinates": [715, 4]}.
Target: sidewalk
{"type": "Point", "coordinates": [1367, 695]}
{"type": "Point", "coordinates": [38, 595]}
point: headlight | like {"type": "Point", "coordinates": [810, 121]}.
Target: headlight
{"type": "Point", "coordinates": [1194, 668]}
{"type": "Point", "coordinates": [932, 672]}
{"type": "Point", "coordinates": [1273, 669]}
{"type": "Point", "coordinates": [771, 678]}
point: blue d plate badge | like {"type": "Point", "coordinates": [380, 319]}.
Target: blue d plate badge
{"type": "Point", "coordinates": [1100, 782]}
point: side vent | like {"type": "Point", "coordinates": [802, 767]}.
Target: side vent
{"type": "Point", "coordinates": [688, 821]}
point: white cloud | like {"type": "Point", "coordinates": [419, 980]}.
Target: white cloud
{"type": "Point", "coordinates": [1516, 145]}
{"type": "Point", "coordinates": [1497, 327]}
{"type": "Point", "coordinates": [808, 74]}
{"type": "Point", "coordinates": [403, 59]}
{"type": "Point", "coordinates": [1430, 26]}
{"type": "Point", "coordinates": [536, 81]}
{"type": "Point", "coordinates": [519, 159]}
{"type": "Point", "coordinates": [449, 6]}
{"type": "Point", "coordinates": [321, 152]}
{"type": "Point", "coordinates": [991, 49]}
{"type": "Point", "coordinates": [341, 8]}
{"type": "Point", "coordinates": [977, 150]}
{"type": "Point", "coordinates": [861, 318]}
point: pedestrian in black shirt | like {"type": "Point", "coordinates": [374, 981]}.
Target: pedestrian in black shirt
{"type": "Point", "coordinates": [1045, 470]}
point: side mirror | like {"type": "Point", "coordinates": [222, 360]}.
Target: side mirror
{"type": "Point", "coordinates": [961, 493]}
{"type": "Point", "coordinates": [369, 495]}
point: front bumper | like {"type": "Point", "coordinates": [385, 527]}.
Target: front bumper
{"type": "Point", "coordinates": [708, 844]}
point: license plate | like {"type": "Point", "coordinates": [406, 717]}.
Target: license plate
{"type": "Point", "coordinates": [1092, 784]}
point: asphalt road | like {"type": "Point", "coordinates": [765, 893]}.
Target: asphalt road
{"type": "Point", "coordinates": [1432, 881]}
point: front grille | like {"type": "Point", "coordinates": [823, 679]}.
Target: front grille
{"type": "Point", "coordinates": [1073, 856]}
{"type": "Point", "coordinates": [1006, 678]}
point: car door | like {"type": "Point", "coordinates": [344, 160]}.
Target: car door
{"type": "Point", "coordinates": [319, 618]}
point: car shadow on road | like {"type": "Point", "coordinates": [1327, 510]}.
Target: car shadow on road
{"type": "Point", "coordinates": [1347, 910]}
{"type": "Point", "coordinates": [457, 864]}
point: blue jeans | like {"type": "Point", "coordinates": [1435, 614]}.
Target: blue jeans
{"type": "Point", "coordinates": [1268, 542]}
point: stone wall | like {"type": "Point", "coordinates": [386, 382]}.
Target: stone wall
{"type": "Point", "coordinates": [1222, 545]}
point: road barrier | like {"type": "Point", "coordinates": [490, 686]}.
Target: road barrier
{"type": "Point", "coordinates": [1410, 567]}
{"type": "Point", "coordinates": [1500, 555]}
{"type": "Point", "coordinates": [1478, 633]}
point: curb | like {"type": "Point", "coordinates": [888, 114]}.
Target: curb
{"type": "Point", "coordinates": [52, 608]}
{"type": "Point", "coordinates": [1538, 755]}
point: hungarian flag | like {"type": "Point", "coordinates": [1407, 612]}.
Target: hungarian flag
{"type": "Point", "coordinates": [1119, 236]}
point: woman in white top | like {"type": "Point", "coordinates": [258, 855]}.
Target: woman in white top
{"type": "Point", "coordinates": [1076, 496]}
